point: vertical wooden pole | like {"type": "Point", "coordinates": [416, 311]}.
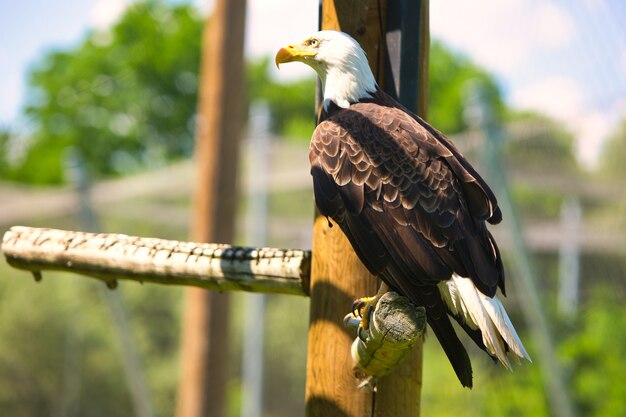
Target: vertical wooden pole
{"type": "Point", "coordinates": [202, 388]}
{"type": "Point", "coordinates": [399, 394]}
{"type": "Point", "coordinates": [338, 277]}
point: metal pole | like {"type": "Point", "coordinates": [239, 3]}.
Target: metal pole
{"type": "Point", "coordinates": [569, 257]}
{"type": "Point", "coordinates": [130, 358]}
{"type": "Point", "coordinates": [481, 114]}
{"type": "Point", "coordinates": [259, 141]}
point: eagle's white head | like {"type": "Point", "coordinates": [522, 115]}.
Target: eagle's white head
{"type": "Point", "coordinates": [339, 61]}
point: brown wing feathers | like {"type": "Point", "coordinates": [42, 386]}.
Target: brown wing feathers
{"type": "Point", "coordinates": [411, 206]}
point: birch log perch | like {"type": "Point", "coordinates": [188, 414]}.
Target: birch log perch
{"type": "Point", "coordinates": [112, 257]}
{"type": "Point", "coordinates": [395, 326]}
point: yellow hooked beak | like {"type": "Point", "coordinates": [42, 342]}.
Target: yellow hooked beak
{"type": "Point", "coordinates": [293, 53]}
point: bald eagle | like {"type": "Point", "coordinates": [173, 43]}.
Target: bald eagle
{"type": "Point", "coordinates": [412, 207]}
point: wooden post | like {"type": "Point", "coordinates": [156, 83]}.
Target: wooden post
{"type": "Point", "coordinates": [399, 394]}
{"type": "Point", "coordinates": [337, 275]}
{"type": "Point", "coordinates": [202, 387]}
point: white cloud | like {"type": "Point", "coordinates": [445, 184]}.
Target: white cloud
{"type": "Point", "coordinates": [492, 34]}
{"type": "Point", "coordinates": [506, 37]}
{"type": "Point", "coordinates": [592, 130]}
{"type": "Point", "coordinates": [12, 87]}
{"type": "Point", "coordinates": [558, 96]}
{"type": "Point", "coordinates": [4, 57]}
{"type": "Point", "coordinates": [564, 100]}
{"type": "Point", "coordinates": [554, 26]}
{"type": "Point", "coordinates": [204, 6]}
{"type": "Point", "coordinates": [106, 12]}
{"type": "Point", "coordinates": [501, 35]}
{"type": "Point", "coordinates": [596, 5]}
{"type": "Point", "coordinates": [271, 24]}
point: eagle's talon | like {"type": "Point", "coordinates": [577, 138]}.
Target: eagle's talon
{"type": "Point", "coordinates": [357, 305]}
{"type": "Point", "coordinates": [361, 305]}
{"type": "Point", "coordinates": [360, 334]}
{"type": "Point", "coordinates": [365, 312]}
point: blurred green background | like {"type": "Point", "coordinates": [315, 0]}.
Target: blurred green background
{"type": "Point", "coordinates": [125, 100]}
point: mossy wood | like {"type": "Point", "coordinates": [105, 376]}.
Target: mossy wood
{"type": "Point", "coordinates": [396, 325]}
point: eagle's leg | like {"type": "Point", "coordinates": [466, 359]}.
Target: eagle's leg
{"type": "Point", "coordinates": [363, 307]}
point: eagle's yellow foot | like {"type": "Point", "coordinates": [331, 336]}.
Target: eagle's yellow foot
{"type": "Point", "coordinates": [363, 307]}
{"type": "Point", "coordinates": [360, 306]}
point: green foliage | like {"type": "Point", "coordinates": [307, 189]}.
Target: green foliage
{"type": "Point", "coordinates": [450, 74]}
{"type": "Point", "coordinates": [50, 343]}
{"type": "Point", "coordinates": [294, 113]}
{"type": "Point", "coordinates": [124, 98]}
{"type": "Point", "coordinates": [596, 356]}
{"type": "Point", "coordinates": [543, 144]}
{"type": "Point", "coordinates": [592, 355]}
{"type": "Point", "coordinates": [537, 145]}
{"type": "Point", "coordinates": [5, 138]}
{"type": "Point", "coordinates": [612, 157]}
{"type": "Point", "coordinates": [496, 392]}
{"type": "Point", "coordinates": [536, 204]}
{"type": "Point", "coordinates": [518, 393]}
{"type": "Point", "coordinates": [292, 104]}
{"type": "Point", "coordinates": [60, 351]}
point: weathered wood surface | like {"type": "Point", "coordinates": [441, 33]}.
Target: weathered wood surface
{"type": "Point", "coordinates": [205, 341]}
{"type": "Point", "coordinates": [112, 257]}
{"type": "Point", "coordinates": [399, 393]}
{"type": "Point", "coordinates": [396, 325]}
{"type": "Point", "coordinates": [337, 275]}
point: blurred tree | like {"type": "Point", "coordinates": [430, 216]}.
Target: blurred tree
{"type": "Point", "coordinates": [56, 360]}
{"type": "Point", "coordinates": [5, 137]}
{"type": "Point", "coordinates": [125, 98]}
{"type": "Point", "coordinates": [612, 156]}
{"type": "Point", "coordinates": [294, 113]}
{"type": "Point", "coordinates": [292, 104]}
{"type": "Point", "coordinates": [540, 143]}
{"type": "Point", "coordinates": [62, 356]}
{"type": "Point", "coordinates": [596, 355]}
{"type": "Point", "coordinates": [592, 354]}
{"type": "Point", "coordinates": [450, 74]}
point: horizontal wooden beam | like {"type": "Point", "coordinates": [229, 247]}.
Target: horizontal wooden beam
{"type": "Point", "coordinates": [113, 257]}
{"type": "Point", "coordinates": [396, 323]}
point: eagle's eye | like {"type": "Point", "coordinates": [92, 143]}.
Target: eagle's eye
{"type": "Point", "coordinates": [313, 42]}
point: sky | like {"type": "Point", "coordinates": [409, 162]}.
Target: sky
{"type": "Point", "coordinates": [564, 58]}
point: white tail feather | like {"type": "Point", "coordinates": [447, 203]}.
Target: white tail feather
{"type": "Point", "coordinates": [485, 313]}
